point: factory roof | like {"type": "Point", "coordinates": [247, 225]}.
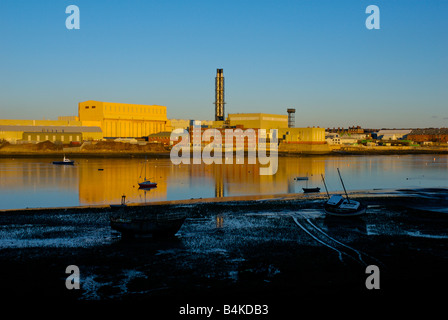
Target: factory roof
{"type": "Point", "coordinates": [59, 129]}
{"type": "Point", "coordinates": [394, 131]}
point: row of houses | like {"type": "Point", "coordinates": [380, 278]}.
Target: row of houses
{"type": "Point", "coordinates": [422, 136]}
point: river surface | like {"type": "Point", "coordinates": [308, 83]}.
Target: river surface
{"type": "Point", "coordinates": [36, 182]}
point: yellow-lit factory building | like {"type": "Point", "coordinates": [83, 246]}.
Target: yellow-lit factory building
{"type": "Point", "coordinates": [124, 119]}
{"type": "Point", "coordinates": [280, 122]}
{"type": "Point", "coordinates": [258, 120]}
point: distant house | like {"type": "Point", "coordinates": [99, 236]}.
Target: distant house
{"type": "Point", "coordinates": [161, 137]}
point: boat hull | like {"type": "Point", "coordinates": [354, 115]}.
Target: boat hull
{"type": "Point", "coordinates": [64, 163]}
{"type": "Point", "coordinates": [310, 190]}
{"type": "Point", "coordinates": [337, 212]}
{"type": "Point", "coordinates": [144, 185]}
{"type": "Point", "coordinates": [157, 226]}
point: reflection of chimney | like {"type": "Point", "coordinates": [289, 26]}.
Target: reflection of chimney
{"type": "Point", "coordinates": [219, 95]}
{"type": "Point", "coordinates": [291, 118]}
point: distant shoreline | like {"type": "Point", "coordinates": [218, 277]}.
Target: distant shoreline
{"type": "Point", "coordinates": [59, 154]}
{"type": "Point", "coordinates": [166, 154]}
{"type": "Point", "coordinates": [110, 149]}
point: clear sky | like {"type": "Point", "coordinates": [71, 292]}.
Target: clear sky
{"type": "Point", "coordinates": [313, 55]}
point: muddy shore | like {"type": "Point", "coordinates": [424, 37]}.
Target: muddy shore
{"type": "Point", "coordinates": [237, 252]}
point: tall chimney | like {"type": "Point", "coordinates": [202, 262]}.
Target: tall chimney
{"type": "Point", "coordinates": [219, 95]}
{"type": "Point", "coordinates": [291, 118]}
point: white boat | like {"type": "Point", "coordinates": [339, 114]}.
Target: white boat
{"type": "Point", "coordinates": [65, 161]}
{"type": "Point", "coordinates": [339, 206]}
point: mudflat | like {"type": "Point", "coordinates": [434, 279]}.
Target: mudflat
{"type": "Point", "coordinates": [284, 253]}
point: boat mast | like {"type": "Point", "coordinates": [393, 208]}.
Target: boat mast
{"type": "Point", "coordinates": [323, 179]}
{"type": "Point", "coordinates": [343, 186]}
{"type": "Point", "coordinates": [145, 167]}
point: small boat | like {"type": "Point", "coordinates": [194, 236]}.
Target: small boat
{"type": "Point", "coordinates": [154, 225]}
{"type": "Point", "coordinates": [65, 161]}
{"type": "Point", "coordinates": [301, 178]}
{"type": "Point", "coordinates": [146, 183]}
{"type": "Point", "coordinates": [337, 205]}
{"type": "Point", "coordinates": [341, 207]}
{"type": "Point", "coordinates": [310, 190]}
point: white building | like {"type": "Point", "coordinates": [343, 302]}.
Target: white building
{"type": "Point", "coordinates": [393, 134]}
{"type": "Point", "coordinates": [332, 138]}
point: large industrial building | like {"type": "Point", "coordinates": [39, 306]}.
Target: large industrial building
{"type": "Point", "coordinates": [258, 120]}
{"type": "Point", "coordinates": [98, 120]}
{"type": "Point", "coordinates": [295, 139]}
{"type": "Point", "coordinates": [124, 119]}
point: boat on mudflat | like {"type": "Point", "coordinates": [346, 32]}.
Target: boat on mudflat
{"type": "Point", "coordinates": [153, 225]}
{"type": "Point", "coordinates": [65, 161]}
{"type": "Point", "coordinates": [341, 207]}
{"type": "Point", "coordinates": [337, 205]}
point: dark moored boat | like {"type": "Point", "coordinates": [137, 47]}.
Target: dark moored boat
{"type": "Point", "coordinates": [147, 184]}
{"type": "Point", "coordinates": [155, 225]}
{"type": "Point", "coordinates": [310, 190]}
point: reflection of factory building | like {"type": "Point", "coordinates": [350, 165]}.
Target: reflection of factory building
{"type": "Point", "coordinates": [108, 185]}
{"type": "Point", "coordinates": [250, 182]}
{"type": "Point", "coordinates": [124, 119]}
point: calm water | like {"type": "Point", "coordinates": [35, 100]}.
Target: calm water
{"type": "Point", "coordinates": [38, 183]}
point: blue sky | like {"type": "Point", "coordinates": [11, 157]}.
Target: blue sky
{"type": "Point", "coordinates": [314, 55]}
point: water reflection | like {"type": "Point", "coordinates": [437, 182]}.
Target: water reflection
{"type": "Point", "coordinates": [38, 183]}
{"type": "Point", "coordinates": [118, 177]}
{"type": "Point", "coordinates": [219, 221]}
